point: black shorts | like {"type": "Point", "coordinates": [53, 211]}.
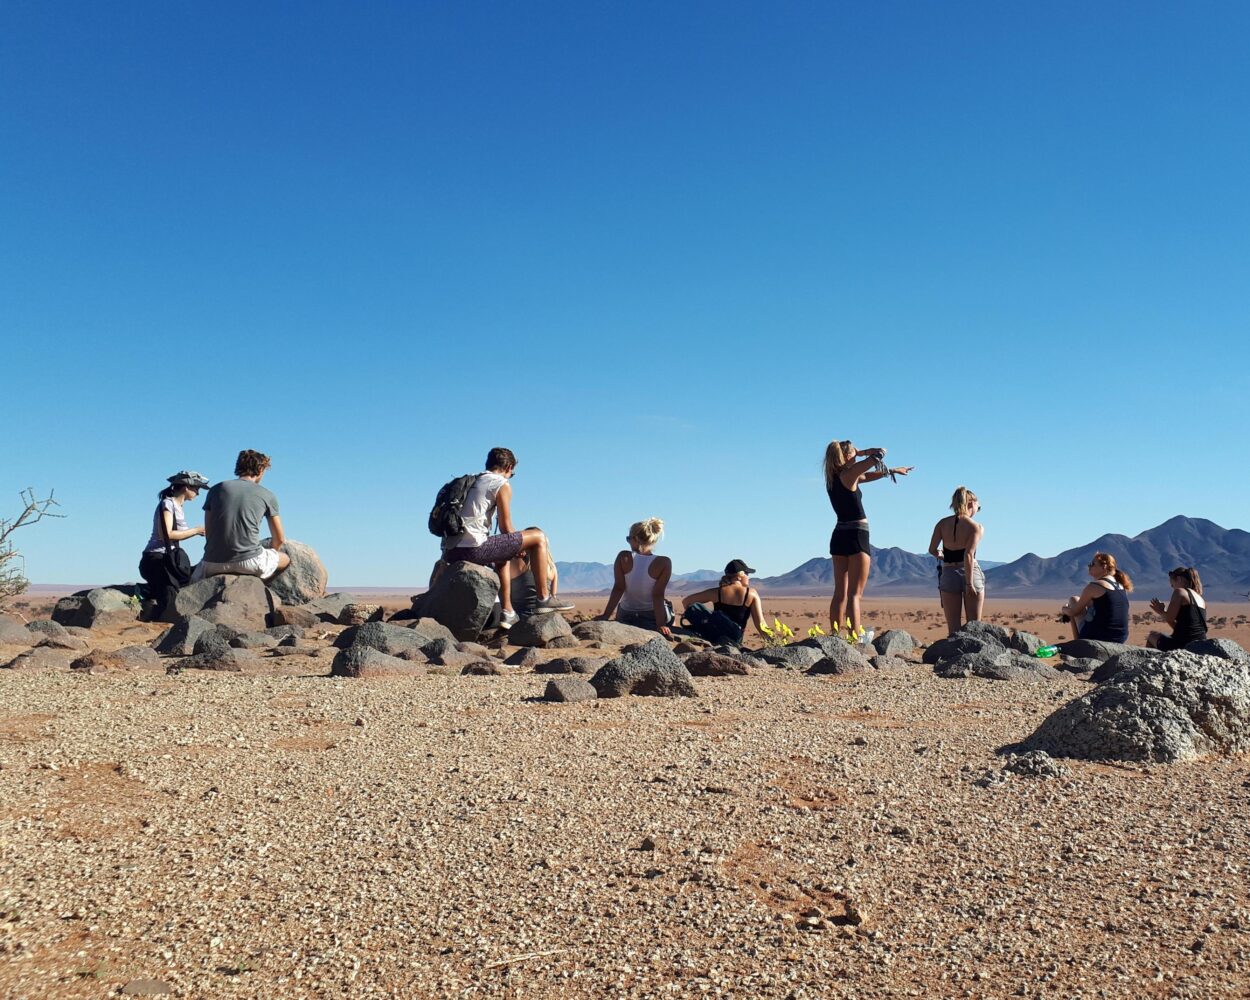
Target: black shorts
{"type": "Point", "coordinates": [849, 542]}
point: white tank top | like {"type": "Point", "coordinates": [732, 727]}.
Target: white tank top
{"type": "Point", "coordinates": [478, 509]}
{"type": "Point", "coordinates": [639, 585]}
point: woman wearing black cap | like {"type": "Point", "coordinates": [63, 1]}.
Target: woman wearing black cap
{"type": "Point", "coordinates": [734, 597]}
{"type": "Point", "coordinates": [163, 564]}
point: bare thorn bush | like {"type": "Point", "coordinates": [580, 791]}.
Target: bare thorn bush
{"type": "Point", "coordinates": [12, 567]}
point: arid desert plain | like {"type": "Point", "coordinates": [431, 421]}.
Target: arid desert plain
{"type": "Point", "coordinates": [279, 833]}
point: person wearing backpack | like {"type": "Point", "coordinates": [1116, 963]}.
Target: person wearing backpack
{"type": "Point", "coordinates": [734, 603]}
{"type": "Point", "coordinates": [164, 566]}
{"type": "Point", "coordinates": [488, 498]}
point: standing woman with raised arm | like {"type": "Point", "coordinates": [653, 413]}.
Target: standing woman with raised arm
{"type": "Point", "coordinates": [846, 467]}
{"type": "Point", "coordinates": [960, 582]}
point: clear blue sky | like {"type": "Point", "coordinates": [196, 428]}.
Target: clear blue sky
{"type": "Point", "coordinates": [663, 251]}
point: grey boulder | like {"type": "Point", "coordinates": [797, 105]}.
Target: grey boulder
{"type": "Point", "coordinates": [179, 639]}
{"type": "Point", "coordinates": [240, 601]}
{"type": "Point", "coordinates": [706, 663]}
{"type": "Point", "coordinates": [569, 689]}
{"type": "Point", "coordinates": [1025, 642]}
{"type": "Point", "coordinates": [894, 642]}
{"type": "Point", "coordinates": [126, 658]}
{"type": "Point", "coordinates": [798, 656]}
{"type": "Point", "coordinates": [304, 580]}
{"type": "Point", "coordinates": [1091, 649]}
{"type": "Point", "coordinates": [462, 599]}
{"type": "Point", "coordinates": [382, 636]}
{"type": "Point", "coordinates": [650, 669]}
{"type": "Point", "coordinates": [986, 631]}
{"type": "Point", "coordinates": [1180, 706]}
{"type": "Point", "coordinates": [1131, 657]}
{"type": "Point", "coordinates": [612, 633]}
{"type": "Point", "coordinates": [538, 630]}
{"type": "Point", "coordinates": [840, 658]}
{"type": "Point", "coordinates": [54, 634]}
{"type": "Point", "coordinates": [571, 665]}
{"type": "Point", "coordinates": [330, 607]}
{"type": "Point", "coordinates": [14, 633]}
{"type": "Point", "coordinates": [1225, 649]}
{"type": "Point", "coordinates": [960, 644]}
{"type": "Point", "coordinates": [365, 661]}
{"type": "Point", "coordinates": [40, 658]}
{"type": "Point", "coordinates": [254, 640]}
{"type": "Point", "coordinates": [995, 665]}
{"type": "Point", "coordinates": [102, 606]}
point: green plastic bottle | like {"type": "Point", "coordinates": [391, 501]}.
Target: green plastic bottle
{"type": "Point", "coordinates": [1047, 651]}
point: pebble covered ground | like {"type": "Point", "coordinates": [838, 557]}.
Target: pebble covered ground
{"type": "Point", "coordinates": [279, 833]}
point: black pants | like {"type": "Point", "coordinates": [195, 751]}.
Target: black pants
{"type": "Point", "coordinates": [162, 584]}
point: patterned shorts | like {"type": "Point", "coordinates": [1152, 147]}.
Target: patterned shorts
{"type": "Point", "coordinates": [495, 550]}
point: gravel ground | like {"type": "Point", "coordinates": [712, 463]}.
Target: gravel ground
{"type": "Point", "coordinates": [279, 833]}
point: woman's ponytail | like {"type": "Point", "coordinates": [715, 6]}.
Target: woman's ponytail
{"type": "Point", "coordinates": [1122, 579]}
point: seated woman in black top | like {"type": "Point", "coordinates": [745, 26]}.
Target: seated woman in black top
{"type": "Point", "coordinates": [1186, 612]}
{"type": "Point", "coordinates": [733, 597]}
{"type": "Point", "coordinates": [1100, 611]}
{"type": "Point", "coordinates": [846, 467]}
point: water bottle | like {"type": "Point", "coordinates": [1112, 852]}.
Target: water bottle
{"type": "Point", "coordinates": [1047, 651]}
{"type": "Point", "coordinates": [866, 638]}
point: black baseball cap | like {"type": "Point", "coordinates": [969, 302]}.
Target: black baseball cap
{"type": "Point", "coordinates": [738, 566]}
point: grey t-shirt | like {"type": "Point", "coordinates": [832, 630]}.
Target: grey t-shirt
{"type": "Point", "coordinates": [233, 511]}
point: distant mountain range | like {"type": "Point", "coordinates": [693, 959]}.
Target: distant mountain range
{"type": "Point", "coordinates": [1222, 556]}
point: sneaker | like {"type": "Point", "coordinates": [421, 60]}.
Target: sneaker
{"type": "Point", "coordinates": [508, 618]}
{"type": "Point", "coordinates": [549, 604]}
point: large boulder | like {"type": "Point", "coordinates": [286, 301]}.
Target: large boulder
{"type": "Point", "coordinates": [538, 630]}
{"type": "Point", "coordinates": [330, 607]}
{"type": "Point", "coordinates": [14, 633]}
{"type": "Point", "coordinates": [222, 660]}
{"type": "Point", "coordinates": [571, 665]}
{"type": "Point", "coordinates": [294, 617]}
{"type": "Point", "coordinates": [708, 663]}
{"type": "Point", "coordinates": [1177, 707]}
{"type": "Point", "coordinates": [382, 636]}
{"type": "Point", "coordinates": [304, 580]}
{"type": "Point", "coordinates": [960, 644]}
{"type": "Point", "coordinates": [986, 631]}
{"type": "Point", "coordinates": [894, 642]}
{"type": "Point", "coordinates": [1025, 642]}
{"type": "Point", "coordinates": [429, 629]}
{"type": "Point", "coordinates": [179, 639]}
{"type": "Point", "coordinates": [612, 633]}
{"type": "Point", "coordinates": [54, 634]}
{"type": "Point", "coordinates": [240, 601]}
{"type": "Point", "coordinates": [102, 606]}
{"type": "Point", "coordinates": [1092, 649]}
{"type": "Point", "coordinates": [1225, 649]}
{"type": "Point", "coordinates": [365, 661]}
{"type": "Point", "coordinates": [841, 658]}
{"type": "Point", "coordinates": [40, 658]}
{"type": "Point", "coordinates": [127, 658]}
{"type": "Point", "coordinates": [1131, 657]}
{"type": "Point", "coordinates": [650, 669]}
{"type": "Point", "coordinates": [462, 598]}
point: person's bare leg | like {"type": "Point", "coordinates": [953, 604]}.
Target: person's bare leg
{"type": "Point", "coordinates": [974, 604]}
{"type": "Point", "coordinates": [1073, 623]}
{"type": "Point", "coordinates": [283, 562]}
{"type": "Point", "coordinates": [858, 566]}
{"type": "Point", "coordinates": [952, 604]}
{"type": "Point", "coordinates": [534, 543]}
{"type": "Point", "coordinates": [837, 606]}
{"type": "Point", "coordinates": [504, 570]}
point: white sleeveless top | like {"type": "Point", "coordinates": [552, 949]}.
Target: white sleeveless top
{"type": "Point", "coordinates": [477, 512]}
{"type": "Point", "coordinates": [639, 585]}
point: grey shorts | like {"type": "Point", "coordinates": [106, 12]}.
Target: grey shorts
{"type": "Point", "coordinates": [953, 581]}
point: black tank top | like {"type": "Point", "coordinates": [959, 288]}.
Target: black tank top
{"type": "Point", "coordinates": [1191, 623]}
{"type": "Point", "coordinates": [1110, 620]}
{"type": "Point", "coordinates": [739, 614]}
{"type": "Point", "coordinates": [847, 504]}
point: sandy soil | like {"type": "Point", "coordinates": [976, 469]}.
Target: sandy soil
{"type": "Point", "coordinates": [279, 833]}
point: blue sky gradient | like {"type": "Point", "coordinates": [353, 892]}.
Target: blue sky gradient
{"type": "Point", "coordinates": [664, 252]}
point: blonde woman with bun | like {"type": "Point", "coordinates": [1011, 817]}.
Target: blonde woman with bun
{"type": "Point", "coordinates": [1100, 611]}
{"type": "Point", "coordinates": [639, 580]}
{"type": "Point", "coordinates": [961, 583]}
{"type": "Point", "coordinates": [846, 468]}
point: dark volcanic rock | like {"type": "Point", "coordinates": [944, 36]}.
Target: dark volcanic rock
{"type": "Point", "coordinates": [569, 689]}
{"type": "Point", "coordinates": [304, 580]}
{"type": "Point", "coordinates": [796, 656]}
{"type": "Point", "coordinates": [40, 658]}
{"type": "Point", "coordinates": [1092, 649]}
{"type": "Point", "coordinates": [382, 636]}
{"type": "Point", "coordinates": [254, 640]}
{"type": "Point", "coordinates": [612, 633]}
{"type": "Point", "coordinates": [1225, 649]}
{"type": "Point", "coordinates": [126, 658]}
{"type": "Point", "coordinates": [1000, 665]}
{"type": "Point", "coordinates": [365, 661]}
{"type": "Point", "coordinates": [239, 601]}
{"type": "Point", "coordinates": [1025, 642]}
{"type": "Point", "coordinates": [523, 658]}
{"type": "Point", "coordinates": [571, 665]}
{"type": "Point", "coordinates": [960, 644]}
{"type": "Point", "coordinates": [281, 632]}
{"type": "Point", "coordinates": [840, 658]}
{"type": "Point", "coordinates": [564, 642]}
{"type": "Point", "coordinates": [224, 660]}
{"type": "Point", "coordinates": [462, 598]}
{"type": "Point", "coordinates": [889, 663]}
{"type": "Point", "coordinates": [986, 631]}
{"type": "Point", "coordinates": [1178, 707]}
{"type": "Point", "coordinates": [179, 639]}
{"type": "Point", "coordinates": [429, 629]}
{"type": "Point", "coordinates": [211, 643]}
{"type": "Point", "coordinates": [1131, 657]}
{"type": "Point", "coordinates": [650, 669]}
{"type": "Point", "coordinates": [330, 607]}
{"type": "Point", "coordinates": [539, 630]}
{"type": "Point", "coordinates": [481, 668]}
{"type": "Point", "coordinates": [894, 642]}
{"type": "Point", "coordinates": [54, 634]}
{"type": "Point", "coordinates": [706, 663]}
{"type": "Point", "coordinates": [294, 617]}
{"type": "Point", "coordinates": [102, 606]}
{"type": "Point", "coordinates": [1078, 666]}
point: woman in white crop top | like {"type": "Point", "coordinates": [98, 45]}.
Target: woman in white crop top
{"type": "Point", "coordinates": [640, 578]}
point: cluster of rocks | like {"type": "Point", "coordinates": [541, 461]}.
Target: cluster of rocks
{"type": "Point", "coordinates": [981, 649]}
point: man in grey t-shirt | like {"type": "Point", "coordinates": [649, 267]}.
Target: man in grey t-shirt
{"type": "Point", "coordinates": [233, 511]}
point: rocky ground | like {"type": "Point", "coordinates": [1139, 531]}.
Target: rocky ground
{"type": "Point", "coordinates": [276, 832]}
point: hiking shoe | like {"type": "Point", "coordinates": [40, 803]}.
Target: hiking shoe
{"type": "Point", "coordinates": [549, 604]}
{"type": "Point", "coordinates": [508, 618]}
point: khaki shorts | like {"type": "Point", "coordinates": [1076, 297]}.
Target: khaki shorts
{"type": "Point", "coordinates": [264, 564]}
{"type": "Point", "coordinates": [952, 580]}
